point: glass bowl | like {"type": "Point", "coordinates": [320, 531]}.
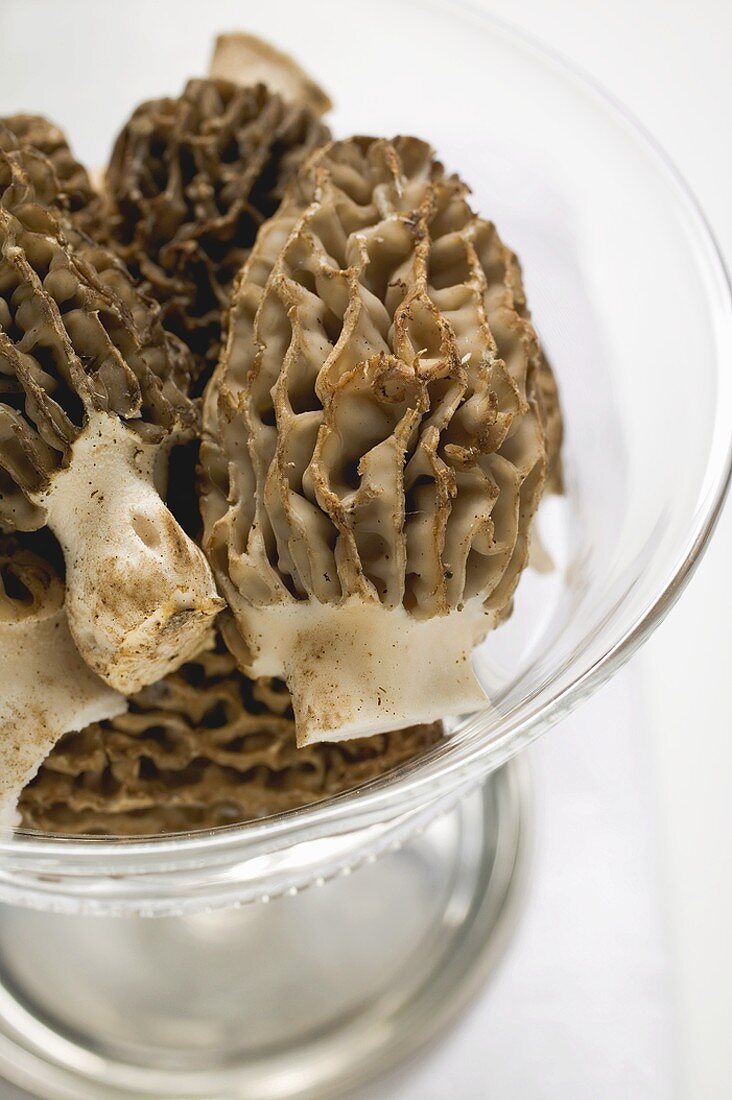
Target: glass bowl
{"type": "Point", "coordinates": [633, 308]}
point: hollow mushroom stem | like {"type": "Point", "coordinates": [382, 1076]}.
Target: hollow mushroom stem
{"type": "Point", "coordinates": [47, 690]}
{"type": "Point", "coordinates": [358, 668]}
{"type": "Point", "coordinates": [139, 595]}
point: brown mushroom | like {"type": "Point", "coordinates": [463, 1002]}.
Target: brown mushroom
{"type": "Point", "coordinates": [92, 398]}
{"type": "Point", "coordinates": [374, 448]}
{"type": "Point", "coordinates": [190, 181]}
{"type": "Point", "coordinates": [72, 190]}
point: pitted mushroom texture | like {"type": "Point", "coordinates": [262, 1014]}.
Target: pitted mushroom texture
{"type": "Point", "coordinates": [373, 441]}
{"type": "Point", "coordinates": [75, 336]}
{"type": "Point", "coordinates": [92, 393]}
{"type": "Point", "coordinates": [75, 194]}
{"type": "Point", "coordinates": [190, 181]}
{"type": "Point", "coordinates": [204, 747]}
{"type": "Point", "coordinates": [45, 688]}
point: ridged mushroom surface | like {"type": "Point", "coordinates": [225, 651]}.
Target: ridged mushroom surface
{"type": "Point", "coordinates": [75, 194]}
{"type": "Point", "coordinates": [92, 398]}
{"type": "Point", "coordinates": [190, 181]}
{"type": "Point", "coordinates": [374, 447]}
{"type": "Point", "coordinates": [46, 689]}
{"type": "Point", "coordinates": [204, 747]}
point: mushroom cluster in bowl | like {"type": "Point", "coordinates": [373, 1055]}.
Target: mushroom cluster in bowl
{"type": "Point", "coordinates": [274, 426]}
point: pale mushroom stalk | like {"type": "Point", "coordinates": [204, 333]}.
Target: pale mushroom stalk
{"type": "Point", "coordinates": [205, 746]}
{"type": "Point", "coordinates": [140, 596]}
{"type": "Point", "coordinates": [360, 667]}
{"type": "Point", "coordinates": [46, 689]}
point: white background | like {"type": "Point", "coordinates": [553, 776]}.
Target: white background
{"type": "Point", "coordinates": [669, 60]}
{"type": "Point", "coordinates": [619, 982]}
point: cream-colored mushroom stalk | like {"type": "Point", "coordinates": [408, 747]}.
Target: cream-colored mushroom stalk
{"type": "Point", "coordinates": [374, 447]}
{"type": "Point", "coordinates": [222, 749]}
{"type": "Point", "coordinates": [46, 688]}
{"type": "Point", "coordinates": [140, 595]}
{"type": "Point", "coordinates": [359, 668]}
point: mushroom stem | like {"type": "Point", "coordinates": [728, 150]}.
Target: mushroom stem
{"type": "Point", "coordinates": [358, 668]}
{"type": "Point", "coordinates": [47, 690]}
{"type": "Point", "coordinates": [139, 595]}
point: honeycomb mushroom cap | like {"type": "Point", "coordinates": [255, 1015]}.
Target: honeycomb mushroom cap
{"type": "Point", "coordinates": [92, 396]}
{"type": "Point", "coordinates": [190, 181]}
{"type": "Point", "coordinates": [374, 449]}
{"type": "Point", "coordinates": [204, 747]}
{"type": "Point", "coordinates": [76, 338]}
{"type": "Point", "coordinates": [75, 193]}
{"type": "Point", "coordinates": [46, 689]}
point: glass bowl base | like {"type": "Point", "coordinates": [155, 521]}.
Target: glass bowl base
{"type": "Point", "coordinates": [305, 996]}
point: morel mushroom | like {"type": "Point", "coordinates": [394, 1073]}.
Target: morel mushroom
{"type": "Point", "coordinates": [373, 445]}
{"type": "Point", "coordinates": [190, 181]}
{"type": "Point", "coordinates": [91, 400]}
{"type": "Point", "coordinates": [46, 689]}
{"type": "Point", "coordinates": [74, 193]}
{"type": "Point", "coordinates": [204, 747]}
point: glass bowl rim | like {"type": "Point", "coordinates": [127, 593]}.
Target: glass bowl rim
{"type": "Point", "coordinates": [92, 854]}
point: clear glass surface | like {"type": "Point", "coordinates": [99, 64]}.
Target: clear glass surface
{"type": "Point", "coordinates": [633, 307]}
{"type": "Point", "coordinates": [299, 999]}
